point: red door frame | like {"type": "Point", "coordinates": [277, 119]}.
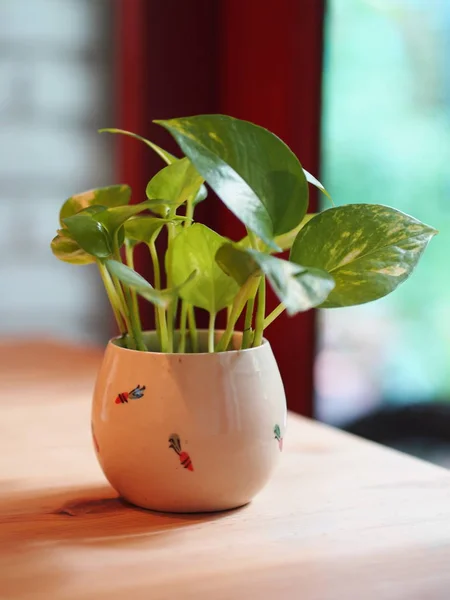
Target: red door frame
{"type": "Point", "coordinates": [238, 57]}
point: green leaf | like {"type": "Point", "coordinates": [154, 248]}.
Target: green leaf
{"type": "Point", "coordinates": [114, 195]}
{"type": "Point", "coordinates": [311, 179]}
{"type": "Point", "coordinates": [253, 172]}
{"type": "Point", "coordinates": [369, 250]}
{"type": "Point", "coordinates": [166, 156]}
{"type": "Point", "coordinates": [89, 234]}
{"type": "Point", "coordinates": [92, 210]}
{"type": "Point", "coordinates": [175, 183]}
{"type": "Point", "coordinates": [130, 278]}
{"type": "Point", "coordinates": [285, 241]}
{"type": "Point", "coordinates": [66, 249]}
{"type": "Point", "coordinates": [237, 263]}
{"type": "Point", "coordinates": [113, 218]}
{"type": "Point", "coordinates": [143, 229]}
{"type": "Point", "coordinates": [297, 287]}
{"type": "Point", "coordinates": [202, 194]}
{"type": "Point", "coordinates": [194, 249]}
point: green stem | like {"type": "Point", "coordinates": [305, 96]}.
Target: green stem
{"type": "Point", "coordinates": [247, 290]}
{"type": "Point", "coordinates": [253, 239]}
{"type": "Point", "coordinates": [260, 313]}
{"type": "Point", "coordinates": [247, 337]}
{"type": "Point", "coordinates": [189, 213]}
{"type": "Point", "coordinates": [155, 264]}
{"type": "Point", "coordinates": [124, 310]}
{"type": "Point", "coordinates": [160, 315]}
{"type": "Point", "coordinates": [129, 256]}
{"type": "Point", "coordinates": [192, 328]}
{"type": "Point", "coordinates": [125, 297]}
{"type": "Point", "coordinates": [171, 311]}
{"type": "Point", "coordinates": [229, 309]}
{"type": "Point", "coordinates": [164, 337]}
{"type": "Point", "coordinates": [273, 315]}
{"type": "Point", "coordinates": [112, 296]}
{"type": "Point", "coordinates": [211, 325]}
{"type": "Point", "coordinates": [183, 319]}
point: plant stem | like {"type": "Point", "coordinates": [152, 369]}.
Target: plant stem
{"type": "Point", "coordinates": [192, 328]}
{"type": "Point", "coordinates": [123, 310]}
{"type": "Point", "coordinates": [212, 322]}
{"type": "Point", "coordinates": [183, 319]}
{"type": "Point", "coordinates": [253, 239]}
{"type": "Point", "coordinates": [130, 315]}
{"type": "Point", "coordinates": [160, 315]}
{"type": "Point", "coordinates": [129, 256]}
{"type": "Point", "coordinates": [247, 290]}
{"type": "Point", "coordinates": [112, 296]}
{"type": "Point", "coordinates": [260, 313]}
{"type": "Point", "coordinates": [273, 315]}
{"type": "Point", "coordinates": [155, 264]}
{"type": "Point", "coordinates": [247, 337]}
{"type": "Point", "coordinates": [171, 310]}
{"type": "Point", "coordinates": [189, 212]}
{"type": "Point", "coordinates": [164, 338]}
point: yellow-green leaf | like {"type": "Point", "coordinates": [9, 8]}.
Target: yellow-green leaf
{"type": "Point", "coordinates": [89, 234]}
{"type": "Point", "coordinates": [369, 250]}
{"type": "Point", "coordinates": [66, 249]}
{"type": "Point", "coordinates": [315, 182]}
{"type": "Point", "coordinates": [297, 287]}
{"type": "Point", "coordinates": [175, 184]}
{"type": "Point", "coordinates": [284, 241]}
{"type": "Point", "coordinates": [194, 249]}
{"type": "Point", "coordinates": [143, 229]}
{"type": "Point", "coordinates": [166, 156]}
{"type": "Point", "coordinates": [113, 195]}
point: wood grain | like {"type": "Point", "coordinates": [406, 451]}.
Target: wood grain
{"type": "Point", "coordinates": [341, 519]}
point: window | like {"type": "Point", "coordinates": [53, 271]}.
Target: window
{"type": "Point", "coordinates": [386, 139]}
{"type": "Point", "coordinates": [54, 94]}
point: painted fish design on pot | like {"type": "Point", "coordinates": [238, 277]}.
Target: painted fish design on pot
{"type": "Point", "coordinates": [135, 394]}
{"type": "Point", "coordinates": [185, 459]}
{"type": "Point", "coordinates": [278, 437]}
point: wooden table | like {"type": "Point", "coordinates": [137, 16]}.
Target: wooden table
{"type": "Point", "coordinates": [342, 519]}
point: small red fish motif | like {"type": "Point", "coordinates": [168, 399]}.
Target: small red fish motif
{"type": "Point", "coordinates": [185, 459]}
{"type": "Point", "coordinates": [135, 394]}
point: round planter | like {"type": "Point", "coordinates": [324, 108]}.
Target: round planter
{"type": "Point", "coordinates": [188, 432]}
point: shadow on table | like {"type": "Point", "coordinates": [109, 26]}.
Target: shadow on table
{"type": "Point", "coordinates": [43, 535]}
{"type": "Point", "coordinates": [89, 515]}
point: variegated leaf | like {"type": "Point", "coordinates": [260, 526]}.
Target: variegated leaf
{"type": "Point", "coordinates": [298, 288]}
{"type": "Point", "coordinates": [369, 249]}
{"type": "Point", "coordinates": [67, 249]}
{"type": "Point", "coordinates": [113, 195]}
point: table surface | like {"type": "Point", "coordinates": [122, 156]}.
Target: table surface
{"type": "Point", "coordinates": [341, 519]}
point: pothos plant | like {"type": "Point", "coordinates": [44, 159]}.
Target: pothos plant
{"type": "Point", "coordinates": [343, 256]}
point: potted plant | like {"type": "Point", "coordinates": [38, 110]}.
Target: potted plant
{"type": "Point", "coordinates": [193, 420]}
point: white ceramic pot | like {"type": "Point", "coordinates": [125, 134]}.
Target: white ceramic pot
{"type": "Point", "coordinates": [188, 432]}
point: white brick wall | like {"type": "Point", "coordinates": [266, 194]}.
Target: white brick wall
{"type": "Point", "coordinates": [69, 24]}
{"type": "Point", "coordinates": [54, 89]}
